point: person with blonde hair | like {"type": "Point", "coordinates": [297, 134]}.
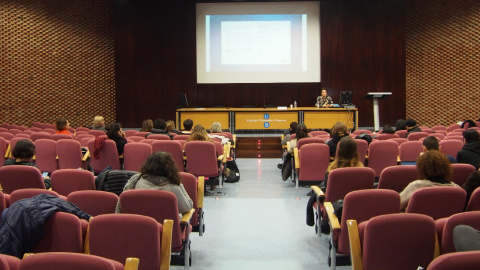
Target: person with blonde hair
{"type": "Point", "coordinates": [147, 125]}
{"type": "Point", "coordinates": [339, 130]}
{"type": "Point", "coordinates": [434, 169]}
{"type": "Point", "coordinates": [199, 134]}
{"type": "Point", "coordinates": [171, 127]}
{"type": "Point", "coordinates": [98, 123]}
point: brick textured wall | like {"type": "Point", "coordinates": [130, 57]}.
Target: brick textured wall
{"type": "Point", "coordinates": [443, 60]}
{"type": "Point", "coordinates": [56, 60]}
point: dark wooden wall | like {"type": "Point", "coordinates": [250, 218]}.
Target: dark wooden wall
{"type": "Point", "coordinates": [362, 50]}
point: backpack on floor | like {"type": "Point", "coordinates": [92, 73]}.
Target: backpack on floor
{"type": "Point", "coordinates": [231, 171]}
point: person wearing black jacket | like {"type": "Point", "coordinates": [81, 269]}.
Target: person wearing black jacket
{"type": "Point", "coordinates": [412, 127]}
{"type": "Point", "coordinates": [115, 133]}
{"type": "Point", "coordinates": [470, 152]}
{"type": "Point", "coordinates": [159, 127]}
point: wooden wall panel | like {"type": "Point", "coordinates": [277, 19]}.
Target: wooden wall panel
{"type": "Point", "coordinates": [363, 49]}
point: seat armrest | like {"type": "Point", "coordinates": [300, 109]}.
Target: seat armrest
{"type": "Point", "coordinates": [131, 263]}
{"type": "Point", "coordinates": [166, 244]}
{"type": "Point", "coordinates": [186, 217]}
{"type": "Point", "coordinates": [200, 191]}
{"type": "Point", "coordinates": [297, 159]}
{"type": "Point", "coordinates": [86, 156]}
{"type": "Point", "coordinates": [234, 140]}
{"type": "Point", "coordinates": [355, 247]}
{"type": "Point", "coordinates": [317, 191]}
{"type": "Point", "coordinates": [221, 158]}
{"type": "Point", "coordinates": [8, 153]}
{"type": "Point", "coordinates": [334, 223]}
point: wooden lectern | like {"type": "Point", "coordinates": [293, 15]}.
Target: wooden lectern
{"type": "Point", "coordinates": [375, 96]}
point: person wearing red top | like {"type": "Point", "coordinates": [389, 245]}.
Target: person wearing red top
{"type": "Point", "coordinates": [62, 126]}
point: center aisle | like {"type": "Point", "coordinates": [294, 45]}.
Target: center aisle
{"type": "Point", "coordinates": [258, 224]}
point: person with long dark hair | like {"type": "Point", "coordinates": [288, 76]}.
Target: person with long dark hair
{"type": "Point", "coordinates": [300, 133]}
{"type": "Point", "coordinates": [115, 133]}
{"type": "Point", "coordinates": [339, 130]}
{"type": "Point", "coordinates": [159, 172]}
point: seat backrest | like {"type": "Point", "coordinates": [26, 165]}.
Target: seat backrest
{"type": "Point", "coordinates": [71, 261]}
{"type": "Point", "coordinates": [3, 150]}
{"type": "Point", "coordinates": [410, 151]}
{"type": "Point", "coordinates": [20, 176]}
{"type": "Point", "coordinates": [7, 135]}
{"type": "Point", "coordinates": [341, 181]}
{"type": "Point", "coordinates": [157, 204]}
{"type": "Point", "coordinates": [141, 134]}
{"type": "Point", "coordinates": [57, 137]}
{"type": "Point", "coordinates": [399, 141]}
{"type": "Point", "coordinates": [118, 237]}
{"type": "Point", "coordinates": [62, 233]}
{"type": "Point", "coordinates": [9, 262]}
{"type": "Point", "coordinates": [386, 136]}
{"type": "Point", "coordinates": [466, 218]}
{"type": "Point", "coordinates": [134, 154]}
{"type": "Point", "coordinates": [362, 149]}
{"type": "Point", "coordinates": [453, 127]}
{"type": "Point", "coordinates": [174, 148]}
{"type": "Point", "coordinates": [461, 172]}
{"type": "Point", "coordinates": [415, 136]}
{"type": "Point", "coordinates": [96, 132]}
{"type": "Point", "coordinates": [218, 148]}
{"type": "Point", "coordinates": [135, 138]}
{"type": "Point", "coordinates": [397, 177]}
{"type": "Point", "coordinates": [159, 137]}
{"type": "Point", "coordinates": [40, 135]}
{"type": "Point", "coordinates": [382, 154]}
{"type": "Point", "coordinates": [361, 205]}
{"type": "Point", "coordinates": [309, 140]}
{"type": "Point", "coordinates": [314, 159]}
{"type": "Point", "coordinates": [15, 131]}
{"type": "Point", "coordinates": [439, 127]}
{"type": "Point", "coordinates": [82, 129]}
{"type": "Point", "coordinates": [360, 131]}
{"type": "Point", "coordinates": [50, 130]}
{"type": "Point", "coordinates": [22, 135]}
{"type": "Point", "coordinates": [450, 147]}
{"type": "Point", "coordinates": [66, 181]}
{"type": "Point", "coordinates": [69, 154]}
{"type": "Point", "coordinates": [130, 132]}
{"type": "Point", "coordinates": [108, 156]}
{"type": "Point", "coordinates": [190, 184]}
{"type": "Point", "coordinates": [25, 193]}
{"type": "Point", "coordinates": [147, 141]}
{"type": "Point", "coordinates": [319, 133]}
{"type": "Point", "coordinates": [468, 260]}
{"type": "Point", "coordinates": [201, 158]}
{"type": "Point", "coordinates": [401, 133]}
{"type": "Point", "coordinates": [46, 155]}
{"type": "Point", "coordinates": [181, 137]}
{"type": "Point", "coordinates": [437, 202]}
{"type": "Point", "coordinates": [454, 138]}
{"type": "Point", "coordinates": [94, 202]}
{"type": "Point", "coordinates": [439, 136]}
{"type": "Point", "coordinates": [398, 241]}
{"type": "Point", "coordinates": [82, 136]}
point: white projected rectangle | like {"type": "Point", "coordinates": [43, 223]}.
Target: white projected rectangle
{"type": "Point", "coordinates": [258, 42]}
{"type": "Point", "coordinates": [255, 43]}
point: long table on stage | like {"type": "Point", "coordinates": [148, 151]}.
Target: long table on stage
{"type": "Point", "coordinates": [269, 118]}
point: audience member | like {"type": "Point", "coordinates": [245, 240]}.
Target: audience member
{"type": "Point", "coordinates": [159, 127]}
{"type": "Point", "coordinates": [471, 184]}
{"type": "Point", "coordinates": [23, 153]}
{"type": "Point", "coordinates": [147, 125]}
{"type": "Point", "coordinates": [401, 125]}
{"type": "Point", "coordinates": [115, 133]}
{"type": "Point", "coordinates": [339, 130]}
{"type": "Point", "coordinates": [98, 123]}
{"type": "Point", "coordinates": [412, 127]}
{"type": "Point", "coordinates": [470, 152]}
{"type": "Point", "coordinates": [347, 156]}
{"type": "Point", "coordinates": [300, 133]}
{"type": "Point", "coordinates": [387, 129]}
{"type": "Point", "coordinates": [288, 132]}
{"type": "Point", "coordinates": [187, 125]}
{"type": "Point", "coordinates": [62, 126]}
{"type": "Point", "coordinates": [217, 128]}
{"type": "Point", "coordinates": [431, 143]}
{"type": "Point", "coordinates": [468, 124]}
{"type": "Point", "coordinates": [434, 169]}
{"type": "Point", "coordinates": [159, 172]}
{"type": "Point", "coordinates": [199, 134]}
{"type": "Point", "coordinates": [171, 127]}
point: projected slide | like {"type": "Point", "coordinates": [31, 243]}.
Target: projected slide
{"type": "Point", "coordinates": [256, 46]}
{"type": "Point", "coordinates": [255, 42]}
